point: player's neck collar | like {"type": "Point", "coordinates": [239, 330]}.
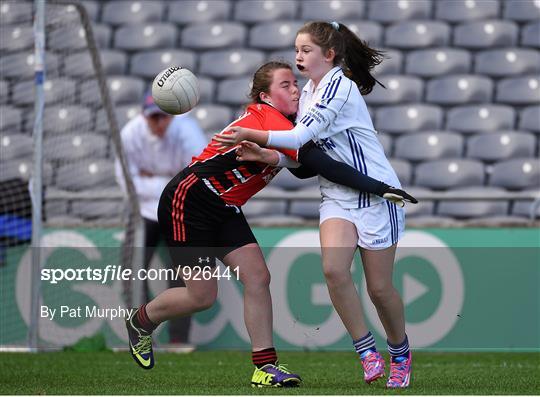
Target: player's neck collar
{"type": "Point", "coordinates": [332, 74]}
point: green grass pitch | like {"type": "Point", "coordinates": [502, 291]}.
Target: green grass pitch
{"type": "Point", "coordinates": [218, 372]}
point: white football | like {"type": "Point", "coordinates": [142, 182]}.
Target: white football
{"type": "Point", "coordinates": [176, 90]}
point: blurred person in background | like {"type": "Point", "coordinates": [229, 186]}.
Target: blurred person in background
{"type": "Point", "coordinates": [157, 146]}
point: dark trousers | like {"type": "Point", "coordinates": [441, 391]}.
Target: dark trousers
{"type": "Point", "coordinates": [178, 327]}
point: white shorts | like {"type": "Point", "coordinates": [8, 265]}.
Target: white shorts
{"type": "Point", "coordinates": [379, 226]}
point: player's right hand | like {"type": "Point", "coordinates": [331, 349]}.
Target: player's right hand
{"type": "Point", "coordinates": [232, 137]}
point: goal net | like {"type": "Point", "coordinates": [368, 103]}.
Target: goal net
{"type": "Point", "coordinates": [87, 221]}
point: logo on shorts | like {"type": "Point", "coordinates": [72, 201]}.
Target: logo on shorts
{"type": "Point", "coordinates": [379, 241]}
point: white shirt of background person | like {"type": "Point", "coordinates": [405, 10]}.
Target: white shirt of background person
{"type": "Point", "coordinates": [157, 146]}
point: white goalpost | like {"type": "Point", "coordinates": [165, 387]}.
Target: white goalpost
{"type": "Point", "coordinates": [58, 160]}
{"type": "Point", "coordinates": [36, 192]}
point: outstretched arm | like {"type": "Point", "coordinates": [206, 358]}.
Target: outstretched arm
{"type": "Point", "coordinates": [303, 172]}
{"type": "Point", "coordinates": [335, 171]}
{"type": "Point", "coordinates": [316, 119]}
{"type": "Point", "coordinates": [315, 162]}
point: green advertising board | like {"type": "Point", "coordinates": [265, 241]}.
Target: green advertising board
{"type": "Point", "coordinates": [463, 290]}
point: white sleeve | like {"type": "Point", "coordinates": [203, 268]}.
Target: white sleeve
{"type": "Point", "coordinates": [317, 118]}
{"type": "Point", "coordinates": [145, 187]}
{"type": "Point", "coordinates": [150, 186]}
{"type": "Point", "coordinates": [290, 139]}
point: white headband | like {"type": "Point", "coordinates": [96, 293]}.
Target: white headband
{"type": "Point", "coordinates": [335, 25]}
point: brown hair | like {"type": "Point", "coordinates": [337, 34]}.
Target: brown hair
{"type": "Point", "coordinates": [262, 79]}
{"type": "Point", "coordinates": [354, 54]}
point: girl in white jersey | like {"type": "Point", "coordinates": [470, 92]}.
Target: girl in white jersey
{"type": "Point", "coordinates": [334, 115]}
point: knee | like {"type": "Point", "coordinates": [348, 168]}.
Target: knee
{"type": "Point", "coordinates": [380, 293]}
{"type": "Point", "coordinates": [263, 279]}
{"type": "Point", "coordinates": [203, 301]}
{"type": "Point", "coordinates": [335, 276]}
{"type": "Point", "coordinates": [257, 279]}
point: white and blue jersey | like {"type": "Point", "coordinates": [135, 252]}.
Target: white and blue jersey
{"type": "Point", "coordinates": [336, 118]}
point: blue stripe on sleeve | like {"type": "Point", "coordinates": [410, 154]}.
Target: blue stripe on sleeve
{"type": "Point", "coordinates": [326, 91]}
{"type": "Point", "coordinates": [334, 91]}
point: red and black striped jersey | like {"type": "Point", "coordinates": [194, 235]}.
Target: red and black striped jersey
{"type": "Point", "coordinates": [237, 181]}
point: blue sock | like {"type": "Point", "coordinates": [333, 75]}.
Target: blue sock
{"type": "Point", "coordinates": [364, 344]}
{"type": "Point", "coordinates": [400, 351]}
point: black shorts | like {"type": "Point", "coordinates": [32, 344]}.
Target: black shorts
{"type": "Point", "coordinates": [197, 224]}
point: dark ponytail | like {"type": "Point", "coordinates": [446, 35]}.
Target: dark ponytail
{"type": "Point", "coordinates": [360, 59]}
{"type": "Point", "coordinates": [355, 55]}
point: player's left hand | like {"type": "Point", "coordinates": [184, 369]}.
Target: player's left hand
{"type": "Point", "coordinates": [398, 196]}
{"type": "Point", "coordinates": [249, 151]}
